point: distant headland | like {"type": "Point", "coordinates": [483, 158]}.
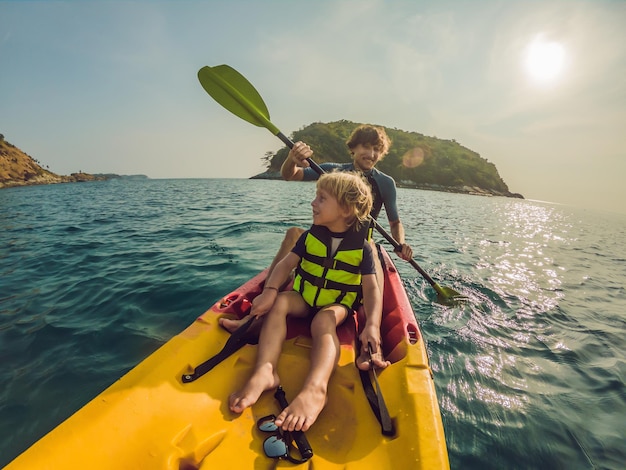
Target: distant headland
{"type": "Point", "coordinates": [20, 169]}
{"type": "Point", "coordinates": [414, 160]}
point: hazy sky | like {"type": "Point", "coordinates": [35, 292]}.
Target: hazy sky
{"type": "Point", "coordinates": [111, 86]}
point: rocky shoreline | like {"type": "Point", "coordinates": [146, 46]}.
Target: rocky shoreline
{"type": "Point", "coordinates": [20, 169]}
{"type": "Point", "coordinates": [51, 178]}
{"type": "Point", "coordinates": [472, 190]}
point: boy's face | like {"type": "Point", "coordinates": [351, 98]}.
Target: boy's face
{"type": "Point", "coordinates": [327, 211]}
{"type": "Point", "coordinates": [366, 156]}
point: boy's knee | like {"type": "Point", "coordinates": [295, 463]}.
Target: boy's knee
{"type": "Point", "coordinates": [293, 234]}
{"type": "Point", "coordinates": [323, 322]}
{"type": "Point", "coordinates": [280, 308]}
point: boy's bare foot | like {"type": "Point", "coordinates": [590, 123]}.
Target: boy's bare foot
{"type": "Point", "coordinates": [363, 362]}
{"type": "Point", "coordinates": [231, 324]}
{"type": "Point", "coordinates": [303, 410]}
{"type": "Point", "coordinates": [262, 379]}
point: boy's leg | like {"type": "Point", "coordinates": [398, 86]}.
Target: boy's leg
{"type": "Point", "coordinates": [307, 405]}
{"type": "Point", "coordinates": [273, 332]}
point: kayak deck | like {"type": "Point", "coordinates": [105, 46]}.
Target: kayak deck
{"type": "Point", "coordinates": [151, 419]}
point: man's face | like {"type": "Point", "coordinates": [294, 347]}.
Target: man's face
{"type": "Point", "coordinates": [366, 156]}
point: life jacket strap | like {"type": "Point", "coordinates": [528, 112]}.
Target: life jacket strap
{"type": "Point", "coordinates": [321, 283]}
{"type": "Point", "coordinates": [330, 263]}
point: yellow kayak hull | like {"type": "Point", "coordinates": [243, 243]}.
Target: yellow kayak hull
{"type": "Point", "coordinates": [150, 419]}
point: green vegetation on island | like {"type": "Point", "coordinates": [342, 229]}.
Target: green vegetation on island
{"type": "Point", "coordinates": [414, 160]}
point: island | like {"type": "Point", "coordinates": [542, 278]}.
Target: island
{"type": "Point", "coordinates": [20, 169]}
{"type": "Point", "coordinates": [414, 160]}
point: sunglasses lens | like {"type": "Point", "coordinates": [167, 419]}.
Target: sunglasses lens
{"type": "Point", "coordinates": [267, 424]}
{"type": "Point", "coordinates": [275, 447]}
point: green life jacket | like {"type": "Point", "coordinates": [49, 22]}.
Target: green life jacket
{"type": "Point", "coordinates": [324, 280]}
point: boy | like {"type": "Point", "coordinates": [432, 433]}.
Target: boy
{"type": "Point", "coordinates": [339, 233]}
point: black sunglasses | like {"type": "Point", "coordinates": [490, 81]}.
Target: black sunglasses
{"type": "Point", "coordinates": [280, 444]}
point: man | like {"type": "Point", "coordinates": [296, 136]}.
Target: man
{"type": "Point", "coordinates": [327, 297]}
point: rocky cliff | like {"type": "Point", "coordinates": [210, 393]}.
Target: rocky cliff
{"type": "Point", "coordinates": [19, 169]}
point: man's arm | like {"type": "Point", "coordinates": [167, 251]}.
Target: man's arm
{"type": "Point", "coordinates": [387, 185]}
{"type": "Point", "coordinates": [397, 232]}
{"type": "Point", "coordinates": [290, 171]}
{"type": "Point", "coordinates": [292, 167]}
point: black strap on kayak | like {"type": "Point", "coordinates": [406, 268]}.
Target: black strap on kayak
{"type": "Point", "coordinates": [300, 439]}
{"type": "Point", "coordinates": [376, 400]}
{"type": "Point", "coordinates": [235, 343]}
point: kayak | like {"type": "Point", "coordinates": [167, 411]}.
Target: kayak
{"type": "Point", "coordinates": [162, 416]}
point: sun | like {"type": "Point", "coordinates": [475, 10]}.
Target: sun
{"type": "Point", "coordinates": [544, 60]}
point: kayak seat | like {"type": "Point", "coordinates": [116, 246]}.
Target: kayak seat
{"type": "Point", "coordinates": [239, 302]}
{"type": "Point", "coordinates": [398, 328]}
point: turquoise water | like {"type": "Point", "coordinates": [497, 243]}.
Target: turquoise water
{"type": "Point", "coordinates": [529, 373]}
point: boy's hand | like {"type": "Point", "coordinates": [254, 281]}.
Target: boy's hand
{"type": "Point", "coordinates": [371, 336]}
{"type": "Point", "coordinates": [263, 302]}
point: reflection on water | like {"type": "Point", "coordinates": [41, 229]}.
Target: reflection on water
{"type": "Point", "coordinates": [515, 366]}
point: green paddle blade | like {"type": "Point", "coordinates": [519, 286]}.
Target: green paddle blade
{"type": "Point", "coordinates": [235, 93]}
{"type": "Point", "coordinates": [448, 296]}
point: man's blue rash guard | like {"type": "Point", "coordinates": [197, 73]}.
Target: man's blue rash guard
{"type": "Point", "coordinates": [385, 187]}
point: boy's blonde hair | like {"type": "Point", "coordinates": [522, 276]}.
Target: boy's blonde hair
{"type": "Point", "coordinates": [351, 192]}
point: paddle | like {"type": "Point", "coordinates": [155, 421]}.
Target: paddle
{"type": "Point", "coordinates": [235, 93]}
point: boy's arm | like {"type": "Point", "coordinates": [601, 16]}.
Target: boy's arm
{"type": "Point", "coordinates": [265, 300]}
{"type": "Point", "coordinates": [373, 306]}
{"type": "Point", "coordinates": [281, 271]}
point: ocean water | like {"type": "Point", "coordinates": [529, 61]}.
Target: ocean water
{"type": "Point", "coordinates": [529, 372]}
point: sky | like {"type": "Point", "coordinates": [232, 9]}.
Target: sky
{"type": "Point", "coordinates": [536, 87]}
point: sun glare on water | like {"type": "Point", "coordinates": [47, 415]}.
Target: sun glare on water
{"type": "Point", "coordinates": [544, 60]}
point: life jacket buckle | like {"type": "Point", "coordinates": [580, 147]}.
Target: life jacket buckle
{"type": "Point", "coordinates": [329, 263]}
